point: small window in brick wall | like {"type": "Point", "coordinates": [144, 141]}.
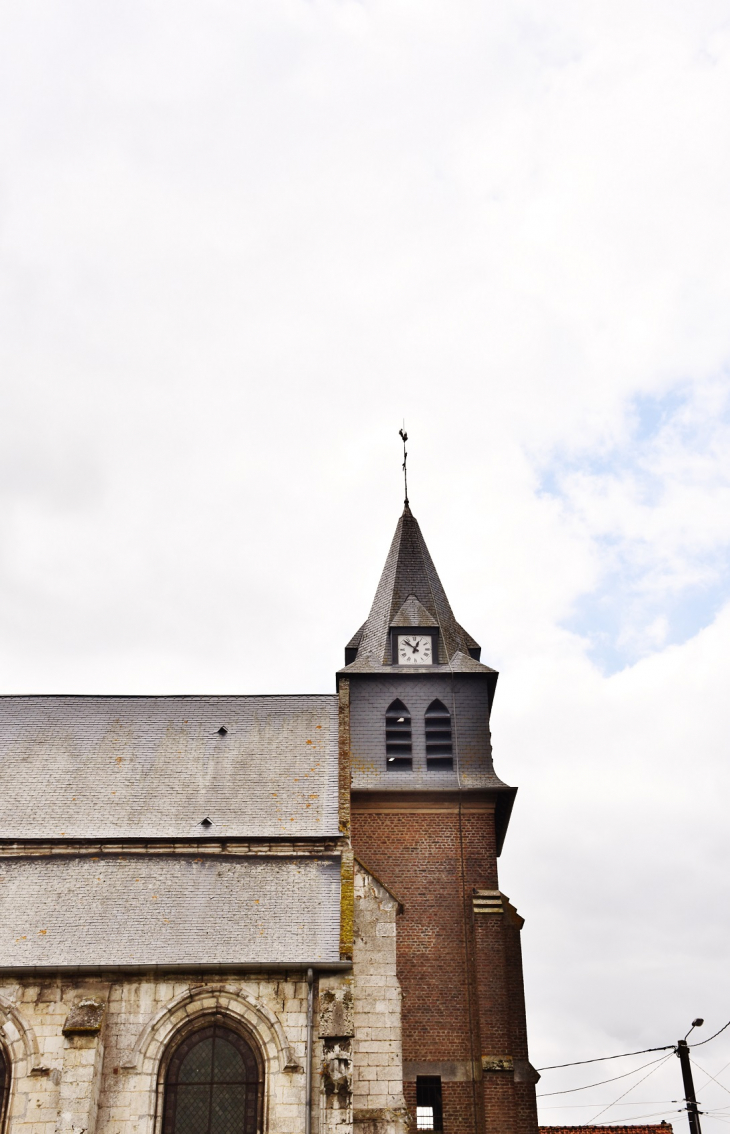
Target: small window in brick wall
{"type": "Point", "coordinates": [438, 737]}
{"type": "Point", "coordinates": [398, 744]}
{"type": "Point", "coordinates": [428, 1103]}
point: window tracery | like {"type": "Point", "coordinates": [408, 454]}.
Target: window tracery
{"type": "Point", "coordinates": [213, 1084]}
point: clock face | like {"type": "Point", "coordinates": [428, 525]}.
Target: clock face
{"type": "Point", "coordinates": [415, 649]}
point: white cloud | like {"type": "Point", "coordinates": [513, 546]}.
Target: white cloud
{"type": "Point", "coordinates": [237, 246]}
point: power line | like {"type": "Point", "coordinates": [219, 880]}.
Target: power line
{"type": "Point", "coordinates": [724, 1068]}
{"type": "Point", "coordinates": [632, 1118]}
{"type": "Point", "coordinates": [709, 1076]}
{"type": "Point", "coordinates": [626, 1054]}
{"type": "Point", "coordinates": [572, 1090]}
{"type": "Point", "coordinates": [659, 1063]}
{"type": "Point", "coordinates": [603, 1058]}
{"type": "Point", "coordinates": [716, 1114]}
{"type": "Point", "coordinates": [722, 1029]}
{"type": "Point", "coordinates": [584, 1105]}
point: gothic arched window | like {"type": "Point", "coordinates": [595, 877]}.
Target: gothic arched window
{"type": "Point", "coordinates": [213, 1084]}
{"type": "Point", "coordinates": [439, 752]}
{"type": "Point", "coordinates": [398, 743]}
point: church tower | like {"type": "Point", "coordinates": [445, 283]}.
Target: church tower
{"type": "Point", "coordinates": [429, 817]}
{"type": "Point", "coordinates": [266, 914]}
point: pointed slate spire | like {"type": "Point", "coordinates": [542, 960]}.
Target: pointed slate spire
{"type": "Point", "coordinates": [410, 594]}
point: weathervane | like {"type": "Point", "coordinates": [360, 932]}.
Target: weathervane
{"type": "Point", "coordinates": [404, 435]}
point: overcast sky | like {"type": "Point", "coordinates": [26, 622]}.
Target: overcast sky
{"type": "Point", "coordinates": [240, 243]}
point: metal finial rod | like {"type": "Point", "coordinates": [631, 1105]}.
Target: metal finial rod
{"type": "Point", "coordinates": [404, 435]}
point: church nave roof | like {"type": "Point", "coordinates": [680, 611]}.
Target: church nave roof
{"type": "Point", "coordinates": [168, 767]}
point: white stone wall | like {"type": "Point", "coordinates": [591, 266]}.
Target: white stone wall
{"type": "Point", "coordinates": [378, 1103]}
{"type": "Point", "coordinates": [109, 1082]}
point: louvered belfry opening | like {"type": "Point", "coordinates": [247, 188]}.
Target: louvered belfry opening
{"type": "Point", "coordinates": [439, 751]}
{"type": "Point", "coordinates": [398, 738]}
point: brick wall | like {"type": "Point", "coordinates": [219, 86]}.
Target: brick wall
{"type": "Point", "coordinates": [460, 972]}
{"type": "Point", "coordinates": [430, 837]}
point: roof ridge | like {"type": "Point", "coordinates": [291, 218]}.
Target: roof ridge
{"type": "Point", "coordinates": [160, 696]}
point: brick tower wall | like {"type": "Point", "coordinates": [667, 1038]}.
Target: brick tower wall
{"type": "Point", "coordinates": [460, 971]}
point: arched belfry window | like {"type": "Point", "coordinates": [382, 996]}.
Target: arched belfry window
{"type": "Point", "coordinates": [439, 751]}
{"type": "Point", "coordinates": [398, 739]}
{"type": "Point", "coordinates": [213, 1084]}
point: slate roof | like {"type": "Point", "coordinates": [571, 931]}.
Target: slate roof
{"type": "Point", "coordinates": [155, 767]}
{"type": "Point", "coordinates": [409, 589]}
{"type": "Point", "coordinates": [149, 910]}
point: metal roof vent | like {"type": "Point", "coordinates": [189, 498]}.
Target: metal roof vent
{"type": "Point", "coordinates": [206, 822]}
{"type": "Point", "coordinates": [223, 731]}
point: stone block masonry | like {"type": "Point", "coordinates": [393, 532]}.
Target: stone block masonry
{"type": "Point", "coordinates": [88, 1054]}
{"type": "Point", "coordinates": [108, 1082]}
{"type": "Point", "coordinates": [378, 1102]}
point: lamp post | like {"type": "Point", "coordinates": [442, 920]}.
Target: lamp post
{"type": "Point", "coordinates": [693, 1113]}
